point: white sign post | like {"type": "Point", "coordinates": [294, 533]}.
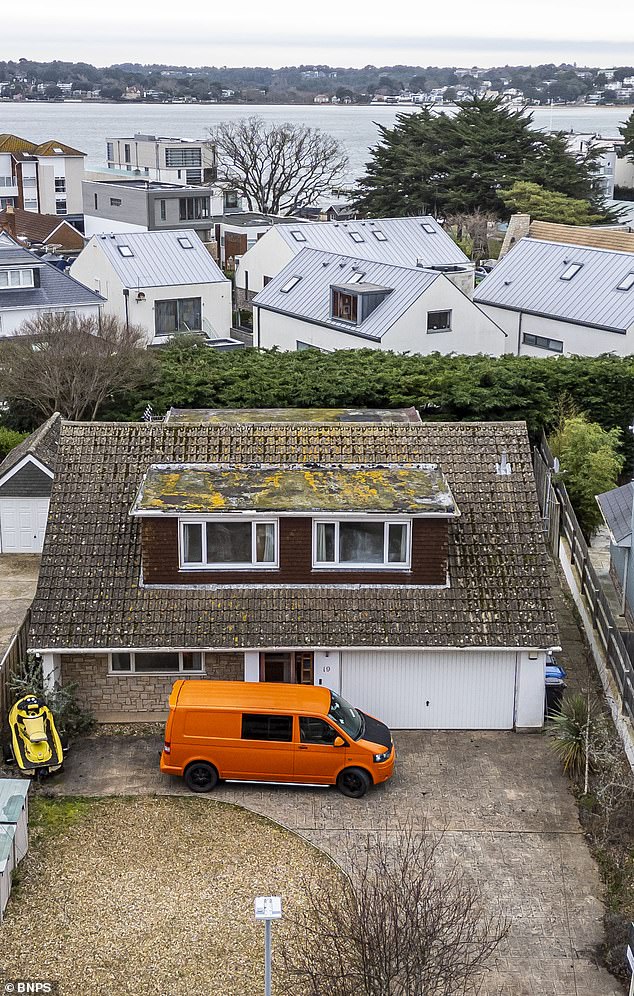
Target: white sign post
{"type": "Point", "coordinates": [268, 908]}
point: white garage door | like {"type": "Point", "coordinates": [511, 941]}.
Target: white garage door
{"type": "Point", "coordinates": [23, 524]}
{"type": "Point", "coordinates": [442, 690]}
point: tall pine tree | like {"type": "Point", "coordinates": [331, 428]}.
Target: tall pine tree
{"type": "Point", "coordinates": [436, 164]}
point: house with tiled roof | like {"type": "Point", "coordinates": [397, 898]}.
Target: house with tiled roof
{"type": "Point", "coordinates": [44, 177]}
{"type": "Point", "coordinates": [397, 562]}
{"type": "Point", "coordinates": [325, 301]}
{"type": "Point", "coordinates": [31, 287]}
{"type": "Point", "coordinates": [26, 478]}
{"type": "Point", "coordinates": [42, 230]}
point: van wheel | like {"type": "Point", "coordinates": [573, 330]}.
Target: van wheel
{"type": "Point", "coordinates": [353, 782]}
{"type": "Point", "coordinates": [201, 777]}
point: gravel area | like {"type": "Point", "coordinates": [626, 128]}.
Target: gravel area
{"type": "Point", "coordinates": [150, 896]}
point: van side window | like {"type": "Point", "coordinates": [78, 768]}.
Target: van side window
{"type": "Point", "coordinates": [316, 731]}
{"type": "Point", "coordinates": [259, 727]}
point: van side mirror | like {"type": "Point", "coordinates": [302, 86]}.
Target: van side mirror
{"type": "Point", "coordinates": [339, 742]}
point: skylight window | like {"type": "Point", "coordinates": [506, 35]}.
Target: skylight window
{"type": "Point", "coordinates": [429, 228]}
{"type": "Point", "coordinates": [298, 236]}
{"type": "Point", "coordinates": [356, 278]}
{"type": "Point", "coordinates": [381, 236]}
{"type": "Point", "coordinates": [185, 243]}
{"type": "Point", "coordinates": [288, 286]}
{"type": "Point", "coordinates": [627, 283]}
{"type": "Point", "coordinates": [571, 271]}
{"type": "Point", "coordinates": [356, 237]}
{"type": "Point", "coordinates": [125, 250]}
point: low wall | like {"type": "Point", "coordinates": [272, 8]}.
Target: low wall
{"type": "Point", "coordinates": [120, 698]}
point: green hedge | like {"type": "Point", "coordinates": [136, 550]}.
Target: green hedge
{"type": "Point", "coordinates": [441, 387]}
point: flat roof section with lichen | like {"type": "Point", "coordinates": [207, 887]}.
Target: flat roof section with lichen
{"type": "Point", "coordinates": [190, 416]}
{"type": "Point", "coordinates": [415, 489]}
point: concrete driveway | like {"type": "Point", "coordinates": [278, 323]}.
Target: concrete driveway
{"type": "Point", "coordinates": [508, 816]}
{"type": "Point", "coordinates": [18, 581]}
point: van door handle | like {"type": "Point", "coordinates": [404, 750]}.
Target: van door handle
{"type": "Point", "coordinates": [302, 747]}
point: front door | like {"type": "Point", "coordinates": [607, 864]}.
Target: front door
{"type": "Point", "coordinates": [294, 667]}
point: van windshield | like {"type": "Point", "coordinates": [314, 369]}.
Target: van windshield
{"type": "Point", "coordinates": [345, 716]}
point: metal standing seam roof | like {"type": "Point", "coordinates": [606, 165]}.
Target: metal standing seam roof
{"type": "Point", "coordinates": [309, 299]}
{"type": "Point", "coordinates": [406, 242]}
{"type": "Point", "coordinates": [528, 279]}
{"type": "Point", "coordinates": [616, 509]}
{"type": "Point", "coordinates": [159, 259]}
{"type": "Point", "coordinates": [408, 489]}
{"type": "Point", "coordinates": [56, 290]}
{"type": "Point", "coordinates": [90, 592]}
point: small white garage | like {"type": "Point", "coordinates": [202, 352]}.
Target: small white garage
{"type": "Point", "coordinates": [26, 478]}
{"type": "Point", "coordinates": [447, 689]}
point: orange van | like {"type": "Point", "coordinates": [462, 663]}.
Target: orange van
{"type": "Point", "coordinates": [271, 732]}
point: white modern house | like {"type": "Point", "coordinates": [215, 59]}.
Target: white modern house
{"type": "Point", "coordinates": [166, 282]}
{"type": "Point", "coordinates": [552, 299]}
{"type": "Point", "coordinates": [175, 160]}
{"type": "Point", "coordinates": [325, 301]}
{"type": "Point", "coordinates": [30, 287]}
{"type": "Point", "coordinates": [402, 241]}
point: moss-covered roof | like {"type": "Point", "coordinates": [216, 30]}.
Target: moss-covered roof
{"type": "Point", "coordinates": [409, 489]}
{"type": "Point", "coordinates": [197, 416]}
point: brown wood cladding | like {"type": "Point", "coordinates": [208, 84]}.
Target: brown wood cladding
{"type": "Point", "coordinates": [160, 558]}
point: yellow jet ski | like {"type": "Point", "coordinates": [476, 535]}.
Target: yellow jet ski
{"type": "Point", "coordinates": [37, 748]}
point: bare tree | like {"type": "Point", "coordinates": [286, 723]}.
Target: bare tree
{"type": "Point", "coordinates": [405, 923]}
{"type": "Point", "coordinates": [62, 363]}
{"type": "Point", "coordinates": [278, 168]}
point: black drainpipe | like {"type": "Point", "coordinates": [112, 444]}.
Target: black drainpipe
{"type": "Point", "coordinates": [126, 295]}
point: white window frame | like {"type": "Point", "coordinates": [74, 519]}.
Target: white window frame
{"type": "Point", "coordinates": [320, 565]}
{"type": "Point", "coordinates": [181, 669]}
{"type": "Point", "coordinates": [26, 278]}
{"type": "Point", "coordinates": [572, 269]}
{"type": "Point", "coordinates": [206, 565]}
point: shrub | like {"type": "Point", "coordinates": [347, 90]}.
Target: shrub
{"type": "Point", "coordinates": [8, 439]}
{"type": "Point", "coordinates": [569, 728]}
{"type": "Point", "coordinates": [71, 718]}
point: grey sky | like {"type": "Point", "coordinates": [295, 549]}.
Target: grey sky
{"type": "Point", "coordinates": [285, 32]}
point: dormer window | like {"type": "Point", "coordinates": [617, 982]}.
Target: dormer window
{"type": "Point", "coordinates": [344, 306]}
{"type": "Point", "coordinates": [16, 278]}
{"type": "Point", "coordinates": [363, 543]}
{"type": "Point", "coordinates": [227, 544]}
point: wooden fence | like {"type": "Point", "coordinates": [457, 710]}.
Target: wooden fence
{"type": "Point", "coordinates": [13, 663]}
{"type": "Point", "coordinates": [560, 522]}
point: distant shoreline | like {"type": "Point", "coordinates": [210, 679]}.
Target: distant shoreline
{"type": "Point", "coordinates": [296, 103]}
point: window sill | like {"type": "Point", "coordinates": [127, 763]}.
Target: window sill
{"type": "Point", "coordinates": [154, 674]}
{"type": "Point", "coordinates": [351, 568]}
{"type": "Point", "coordinates": [223, 568]}
{"type": "Point", "coordinates": [436, 331]}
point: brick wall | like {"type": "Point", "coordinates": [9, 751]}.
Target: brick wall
{"type": "Point", "coordinates": [429, 558]}
{"type": "Point", "coordinates": [123, 697]}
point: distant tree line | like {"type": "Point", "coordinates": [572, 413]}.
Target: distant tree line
{"type": "Point", "coordinates": [563, 83]}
